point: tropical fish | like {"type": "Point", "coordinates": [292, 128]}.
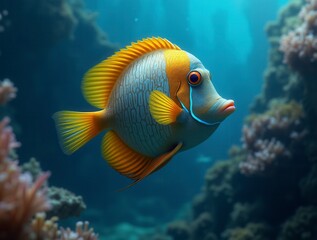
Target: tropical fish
{"type": "Point", "coordinates": [155, 100]}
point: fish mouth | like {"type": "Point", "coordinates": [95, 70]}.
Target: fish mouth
{"type": "Point", "coordinates": [221, 109]}
{"type": "Point", "coordinates": [227, 107]}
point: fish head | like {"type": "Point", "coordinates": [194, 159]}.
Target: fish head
{"type": "Point", "coordinates": [204, 103]}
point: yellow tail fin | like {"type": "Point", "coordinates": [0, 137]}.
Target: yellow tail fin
{"type": "Point", "coordinates": [77, 128]}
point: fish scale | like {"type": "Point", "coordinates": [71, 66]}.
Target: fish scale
{"type": "Point", "coordinates": [143, 76]}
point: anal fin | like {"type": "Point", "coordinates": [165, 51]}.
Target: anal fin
{"type": "Point", "coordinates": [129, 162]}
{"type": "Point", "coordinates": [158, 163]}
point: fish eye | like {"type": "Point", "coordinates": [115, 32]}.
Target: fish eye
{"type": "Point", "coordinates": [194, 78]}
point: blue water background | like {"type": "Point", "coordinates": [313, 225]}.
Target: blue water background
{"type": "Point", "coordinates": [228, 37]}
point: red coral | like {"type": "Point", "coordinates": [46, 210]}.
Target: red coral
{"type": "Point", "coordinates": [20, 198]}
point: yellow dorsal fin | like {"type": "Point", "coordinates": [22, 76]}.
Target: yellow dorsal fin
{"type": "Point", "coordinates": [130, 163]}
{"type": "Point", "coordinates": [99, 80]}
{"type": "Point", "coordinates": [163, 109]}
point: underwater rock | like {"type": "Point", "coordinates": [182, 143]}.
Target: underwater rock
{"type": "Point", "coordinates": [32, 167]}
{"type": "Point", "coordinates": [308, 186]}
{"type": "Point", "coordinates": [178, 230]}
{"type": "Point", "coordinates": [220, 191]}
{"type": "Point", "coordinates": [64, 203]}
{"type": "Point", "coordinates": [243, 213]}
{"type": "Point", "coordinates": [252, 231]}
{"type": "Point", "coordinates": [36, 27]}
{"type": "Point", "coordinates": [201, 226]}
{"type": "Point", "coordinates": [278, 79]}
{"type": "Point", "coordinates": [301, 226]}
{"type": "Point", "coordinates": [52, 20]}
{"type": "Point", "coordinates": [46, 46]}
{"type": "Point", "coordinates": [218, 182]}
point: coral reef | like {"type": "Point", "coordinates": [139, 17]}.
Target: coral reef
{"type": "Point", "coordinates": [268, 137]}
{"type": "Point", "coordinates": [300, 53]}
{"type": "Point", "coordinates": [20, 197]}
{"type": "Point", "coordinates": [63, 203]}
{"type": "Point", "coordinates": [41, 228]}
{"type": "Point", "coordinates": [300, 45]}
{"type": "Point", "coordinates": [24, 195]}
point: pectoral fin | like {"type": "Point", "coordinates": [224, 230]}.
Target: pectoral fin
{"type": "Point", "coordinates": [163, 109]}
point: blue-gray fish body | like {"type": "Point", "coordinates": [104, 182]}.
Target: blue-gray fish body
{"type": "Point", "coordinates": [155, 100]}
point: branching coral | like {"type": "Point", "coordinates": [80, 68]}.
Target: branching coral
{"type": "Point", "coordinates": [300, 46]}
{"type": "Point", "coordinates": [267, 137]}
{"type": "Point", "coordinates": [22, 196]}
{"type": "Point", "coordinates": [264, 154]}
{"type": "Point", "coordinates": [300, 53]}
{"type": "Point", "coordinates": [47, 229]}
{"type": "Point", "coordinates": [82, 232]}
{"type": "Point", "coordinates": [42, 228]}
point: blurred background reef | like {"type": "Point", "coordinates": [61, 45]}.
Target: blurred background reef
{"type": "Point", "coordinates": [266, 189]}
